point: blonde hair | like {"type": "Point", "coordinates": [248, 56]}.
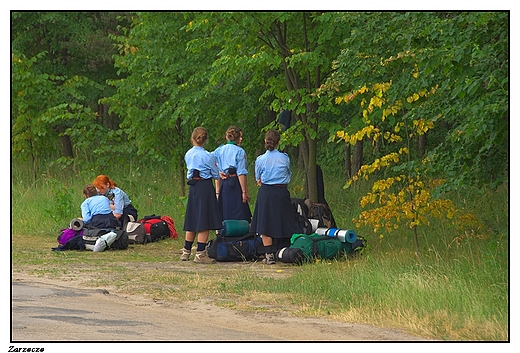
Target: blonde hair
{"type": "Point", "coordinates": [199, 135]}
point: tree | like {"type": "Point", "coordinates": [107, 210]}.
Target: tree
{"type": "Point", "coordinates": [288, 55]}
{"type": "Point", "coordinates": [420, 71]}
{"type": "Point", "coordinates": [165, 91]}
{"type": "Point", "coordinates": [61, 61]}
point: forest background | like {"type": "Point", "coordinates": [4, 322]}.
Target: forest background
{"type": "Point", "coordinates": [406, 113]}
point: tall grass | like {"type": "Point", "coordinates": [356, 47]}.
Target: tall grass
{"type": "Point", "coordinates": [457, 289]}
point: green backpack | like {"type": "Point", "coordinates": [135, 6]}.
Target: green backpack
{"type": "Point", "coordinates": [317, 246]}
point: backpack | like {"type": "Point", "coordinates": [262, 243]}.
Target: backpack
{"type": "Point", "coordinates": [323, 214]}
{"type": "Point", "coordinates": [136, 232]}
{"type": "Point", "coordinates": [155, 227]}
{"type": "Point", "coordinates": [67, 234]}
{"type": "Point", "coordinates": [302, 210]}
{"type": "Point", "coordinates": [227, 249]}
{"type": "Point", "coordinates": [290, 255]}
{"type": "Point", "coordinates": [301, 206]}
{"type": "Point", "coordinates": [91, 235]}
{"type": "Point", "coordinates": [317, 246]}
{"type": "Point", "coordinates": [171, 225]}
{"type": "Point", "coordinates": [354, 248]}
{"type": "Point", "coordinates": [304, 224]}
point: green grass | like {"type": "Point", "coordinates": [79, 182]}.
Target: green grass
{"type": "Point", "coordinates": [456, 290]}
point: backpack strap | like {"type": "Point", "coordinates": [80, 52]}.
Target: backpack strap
{"type": "Point", "coordinates": [315, 240]}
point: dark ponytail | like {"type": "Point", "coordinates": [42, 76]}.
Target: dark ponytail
{"type": "Point", "coordinates": [272, 138]}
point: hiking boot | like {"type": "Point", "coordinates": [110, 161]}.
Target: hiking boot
{"type": "Point", "coordinates": [185, 256]}
{"type": "Point", "coordinates": [269, 259]}
{"type": "Point", "coordinates": [202, 257]}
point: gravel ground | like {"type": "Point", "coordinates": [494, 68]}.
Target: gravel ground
{"type": "Point", "coordinates": [45, 310]}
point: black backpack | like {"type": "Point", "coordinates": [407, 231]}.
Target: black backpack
{"type": "Point", "coordinates": [90, 235]}
{"type": "Point", "coordinates": [302, 210]}
{"type": "Point", "coordinates": [155, 227]}
{"type": "Point", "coordinates": [300, 205]}
{"type": "Point", "coordinates": [323, 214]}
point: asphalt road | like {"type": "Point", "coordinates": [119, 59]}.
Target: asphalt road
{"type": "Point", "coordinates": [42, 311]}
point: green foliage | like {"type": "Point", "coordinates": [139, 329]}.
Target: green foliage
{"type": "Point", "coordinates": [433, 69]}
{"type": "Point", "coordinates": [463, 57]}
{"type": "Point", "coordinates": [408, 74]}
{"type": "Point", "coordinates": [62, 206]}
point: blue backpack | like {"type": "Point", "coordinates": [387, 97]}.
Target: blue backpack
{"type": "Point", "coordinates": [227, 249]}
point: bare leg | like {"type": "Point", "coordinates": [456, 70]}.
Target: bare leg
{"type": "Point", "coordinates": [190, 236]}
{"type": "Point", "coordinates": [203, 236]}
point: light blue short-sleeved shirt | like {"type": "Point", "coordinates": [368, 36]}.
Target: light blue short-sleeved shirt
{"type": "Point", "coordinates": [94, 205]}
{"type": "Point", "coordinates": [205, 162]}
{"type": "Point", "coordinates": [273, 167]}
{"type": "Point", "coordinates": [120, 201]}
{"type": "Point", "coordinates": [231, 155]}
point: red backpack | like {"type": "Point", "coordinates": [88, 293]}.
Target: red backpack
{"type": "Point", "coordinates": [155, 227]}
{"type": "Point", "coordinates": [171, 225]}
{"type": "Point", "coordinates": [159, 227]}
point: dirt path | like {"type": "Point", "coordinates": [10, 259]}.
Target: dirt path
{"type": "Point", "coordinates": [45, 310]}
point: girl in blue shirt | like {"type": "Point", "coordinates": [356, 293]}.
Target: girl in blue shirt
{"type": "Point", "coordinates": [202, 211]}
{"type": "Point", "coordinates": [232, 193]}
{"type": "Point", "coordinates": [96, 211]}
{"type": "Point", "coordinates": [275, 217]}
{"type": "Point", "coordinates": [119, 201]}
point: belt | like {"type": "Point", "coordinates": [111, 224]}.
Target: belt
{"type": "Point", "coordinates": [232, 175]}
{"type": "Point", "coordinates": [282, 185]}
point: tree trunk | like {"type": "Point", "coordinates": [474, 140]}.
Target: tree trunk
{"type": "Point", "coordinates": [311, 171]}
{"type": "Point", "coordinates": [348, 162]}
{"type": "Point", "coordinates": [421, 145]}
{"type": "Point", "coordinates": [107, 119]}
{"type": "Point", "coordinates": [357, 160]}
{"type": "Point", "coordinates": [66, 143]}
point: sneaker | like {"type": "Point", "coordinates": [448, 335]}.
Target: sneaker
{"type": "Point", "coordinates": [185, 256]}
{"type": "Point", "coordinates": [202, 257]}
{"type": "Point", "coordinates": [269, 259]}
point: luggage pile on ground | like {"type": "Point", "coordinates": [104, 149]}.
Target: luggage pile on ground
{"type": "Point", "coordinates": [320, 238]}
{"type": "Point", "coordinates": [78, 236]}
{"type": "Point", "coordinates": [234, 242]}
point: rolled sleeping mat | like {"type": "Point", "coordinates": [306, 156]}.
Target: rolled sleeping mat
{"type": "Point", "coordinates": [234, 228]}
{"type": "Point", "coordinates": [330, 232]}
{"type": "Point", "coordinates": [76, 224]}
{"type": "Point", "coordinates": [343, 235]}
{"type": "Point", "coordinates": [346, 236]}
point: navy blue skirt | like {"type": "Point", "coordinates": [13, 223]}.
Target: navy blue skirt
{"type": "Point", "coordinates": [202, 212]}
{"type": "Point", "coordinates": [230, 200]}
{"type": "Point", "coordinates": [108, 221]}
{"type": "Point", "coordinates": [274, 215]}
